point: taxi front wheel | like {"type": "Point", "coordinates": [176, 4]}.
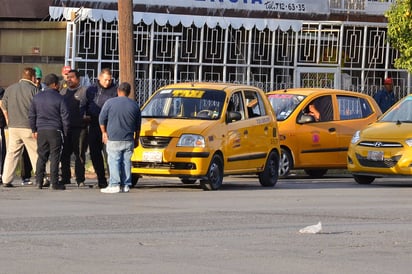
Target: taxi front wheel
{"type": "Point", "coordinates": [269, 176]}
{"type": "Point", "coordinates": [363, 179]}
{"type": "Point", "coordinates": [135, 179]}
{"type": "Point", "coordinates": [286, 163]}
{"type": "Point", "coordinates": [214, 176]}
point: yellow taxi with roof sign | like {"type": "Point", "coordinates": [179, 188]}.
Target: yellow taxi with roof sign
{"type": "Point", "coordinates": [205, 131]}
{"type": "Point", "coordinates": [316, 126]}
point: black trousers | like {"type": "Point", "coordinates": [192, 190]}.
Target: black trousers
{"type": "Point", "coordinates": [96, 149]}
{"type": "Point", "coordinates": [74, 143]}
{"type": "Point", "coordinates": [49, 147]}
{"type": "Point", "coordinates": [3, 149]}
{"type": "Point", "coordinates": [25, 165]}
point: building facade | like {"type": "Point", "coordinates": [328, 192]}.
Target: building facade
{"type": "Point", "coordinates": [269, 44]}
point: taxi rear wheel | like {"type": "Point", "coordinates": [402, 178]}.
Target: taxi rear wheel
{"type": "Point", "coordinates": [316, 173]}
{"type": "Point", "coordinates": [286, 163]}
{"type": "Point", "coordinates": [214, 176]}
{"type": "Point", "coordinates": [269, 176]}
{"type": "Point", "coordinates": [363, 179]}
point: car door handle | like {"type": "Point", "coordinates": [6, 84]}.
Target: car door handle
{"type": "Point", "coordinates": [332, 129]}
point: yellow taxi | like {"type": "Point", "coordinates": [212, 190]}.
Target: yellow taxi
{"type": "Point", "coordinates": [206, 131]}
{"type": "Point", "coordinates": [385, 147]}
{"type": "Point", "coordinates": [316, 126]}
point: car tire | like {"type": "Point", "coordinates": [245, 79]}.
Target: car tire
{"type": "Point", "coordinates": [188, 181]}
{"type": "Point", "coordinates": [214, 176]}
{"type": "Point", "coordinates": [363, 179]}
{"type": "Point", "coordinates": [285, 163]}
{"type": "Point", "coordinates": [316, 173]}
{"type": "Point", "coordinates": [135, 179]}
{"type": "Point", "coordinates": [269, 176]}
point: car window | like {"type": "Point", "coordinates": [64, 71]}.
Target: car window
{"type": "Point", "coordinates": [351, 107]}
{"type": "Point", "coordinates": [254, 104]}
{"type": "Point", "coordinates": [284, 104]}
{"type": "Point", "coordinates": [185, 104]}
{"type": "Point", "coordinates": [236, 104]}
{"type": "Point", "coordinates": [400, 113]}
{"type": "Point", "coordinates": [320, 108]}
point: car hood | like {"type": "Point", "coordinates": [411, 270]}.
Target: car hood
{"type": "Point", "coordinates": [387, 130]}
{"type": "Point", "coordinates": [174, 127]}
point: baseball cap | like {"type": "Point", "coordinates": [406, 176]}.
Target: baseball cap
{"type": "Point", "coordinates": [66, 69]}
{"type": "Point", "coordinates": [38, 72]}
{"type": "Point", "coordinates": [388, 81]}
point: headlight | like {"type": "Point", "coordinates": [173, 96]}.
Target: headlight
{"type": "Point", "coordinates": [408, 142]}
{"type": "Point", "coordinates": [355, 137]}
{"type": "Point", "coordinates": [191, 140]}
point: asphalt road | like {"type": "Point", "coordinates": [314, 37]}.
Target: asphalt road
{"type": "Point", "coordinates": [164, 226]}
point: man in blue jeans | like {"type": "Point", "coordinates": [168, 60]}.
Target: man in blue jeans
{"type": "Point", "coordinates": [120, 121]}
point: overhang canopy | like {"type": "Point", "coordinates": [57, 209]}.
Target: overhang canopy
{"type": "Point", "coordinates": [176, 19]}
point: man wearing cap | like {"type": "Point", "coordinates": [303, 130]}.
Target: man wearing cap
{"type": "Point", "coordinates": [385, 97]}
{"type": "Point", "coordinates": [39, 76]}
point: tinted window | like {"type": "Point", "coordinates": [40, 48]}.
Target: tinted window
{"type": "Point", "coordinates": [351, 107]}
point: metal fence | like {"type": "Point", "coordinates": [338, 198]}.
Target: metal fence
{"type": "Point", "coordinates": [350, 56]}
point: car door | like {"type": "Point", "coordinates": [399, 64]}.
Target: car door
{"type": "Point", "coordinates": [237, 139]}
{"type": "Point", "coordinates": [354, 114]}
{"type": "Point", "coordinates": [260, 130]}
{"type": "Point", "coordinates": [318, 141]}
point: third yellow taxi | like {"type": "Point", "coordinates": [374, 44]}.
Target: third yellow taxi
{"type": "Point", "coordinates": [316, 126]}
{"type": "Point", "coordinates": [385, 147]}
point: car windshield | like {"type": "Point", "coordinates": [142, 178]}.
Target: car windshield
{"type": "Point", "coordinates": [185, 104]}
{"type": "Point", "coordinates": [284, 104]}
{"type": "Point", "coordinates": [402, 112]}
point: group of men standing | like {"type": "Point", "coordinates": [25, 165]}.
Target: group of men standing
{"type": "Point", "coordinates": [54, 119]}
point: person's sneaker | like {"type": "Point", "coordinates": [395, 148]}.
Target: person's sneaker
{"type": "Point", "coordinates": [81, 184]}
{"type": "Point", "coordinates": [126, 188]}
{"type": "Point", "coordinates": [8, 185]}
{"type": "Point", "coordinates": [26, 182]}
{"type": "Point", "coordinates": [110, 189]}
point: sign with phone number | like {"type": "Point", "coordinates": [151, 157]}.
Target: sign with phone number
{"type": "Point", "coordinates": [287, 7]}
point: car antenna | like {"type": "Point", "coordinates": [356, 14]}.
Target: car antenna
{"type": "Point", "coordinates": [398, 122]}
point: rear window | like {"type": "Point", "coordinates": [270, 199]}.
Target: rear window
{"type": "Point", "coordinates": [351, 107]}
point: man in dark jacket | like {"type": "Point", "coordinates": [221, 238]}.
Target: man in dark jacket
{"type": "Point", "coordinates": [96, 96]}
{"type": "Point", "coordinates": [76, 140]}
{"type": "Point", "coordinates": [49, 120]}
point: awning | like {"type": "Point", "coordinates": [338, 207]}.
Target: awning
{"type": "Point", "coordinates": [176, 19]}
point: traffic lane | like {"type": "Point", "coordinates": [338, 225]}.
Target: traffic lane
{"type": "Point", "coordinates": [242, 229]}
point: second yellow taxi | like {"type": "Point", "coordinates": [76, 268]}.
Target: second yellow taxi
{"type": "Point", "coordinates": [316, 126]}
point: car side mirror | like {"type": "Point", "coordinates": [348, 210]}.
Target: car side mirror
{"type": "Point", "coordinates": [233, 116]}
{"type": "Point", "coordinates": [305, 118]}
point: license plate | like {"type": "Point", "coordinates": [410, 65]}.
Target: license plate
{"type": "Point", "coordinates": [152, 156]}
{"type": "Point", "coordinates": [375, 155]}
